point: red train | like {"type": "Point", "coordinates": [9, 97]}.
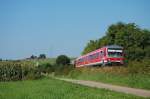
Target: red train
{"type": "Point", "coordinates": [106, 55]}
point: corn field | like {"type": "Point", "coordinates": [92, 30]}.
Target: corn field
{"type": "Point", "coordinates": [18, 70]}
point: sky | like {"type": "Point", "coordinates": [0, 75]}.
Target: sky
{"type": "Point", "coordinates": [56, 27]}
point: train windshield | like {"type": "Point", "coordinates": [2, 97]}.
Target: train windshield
{"type": "Point", "coordinates": [115, 53]}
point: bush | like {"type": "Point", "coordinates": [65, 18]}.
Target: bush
{"type": "Point", "coordinates": [62, 60]}
{"type": "Point", "coordinates": [75, 73]}
{"type": "Point", "coordinates": [141, 67]}
{"type": "Point", "coordinates": [46, 68]}
{"type": "Point", "coordinates": [62, 69]}
{"type": "Point", "coordinates": [33, 73]}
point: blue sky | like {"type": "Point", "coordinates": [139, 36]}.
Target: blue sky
{"type": "Point", "coordinates": [57, 27]}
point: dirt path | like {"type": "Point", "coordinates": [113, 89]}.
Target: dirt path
{"type": "Point", "coordinates": [134, 91]}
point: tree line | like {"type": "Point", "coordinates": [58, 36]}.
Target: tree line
{"type": "Point", "coordinates": [136, 41]}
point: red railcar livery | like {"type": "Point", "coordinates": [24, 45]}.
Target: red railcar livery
{"type": "Point", "coordinates": [102, 56]}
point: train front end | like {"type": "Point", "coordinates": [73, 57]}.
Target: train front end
{"type": "Point", "coordinates": [115, 55]}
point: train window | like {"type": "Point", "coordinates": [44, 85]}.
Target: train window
{"type": "Point", "coordinates": [97, 54]}
{"type": "Point", "coordinates": [80, 60]}
{"type": "Point", "coordinates": [102, 53]}
{"type": "Point", "coordinates": [94, 56]}
{"type": "Point", "coordinates": [89, 57]}
{"type": "Point", "coordinates": [83, 59]}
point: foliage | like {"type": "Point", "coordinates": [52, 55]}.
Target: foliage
{"type": "Point", "coordinates": [43, 61]}
{"type": "Point", "coordinates": [75, 73]}
{"type": "Point", "coordinates": [33, 57]}
{"type": "Point", "coordinates": [33, 73]}
{"type": "Point", "coordinates": [18, 70]}
{"type": "Point", "coordinates": [62, 69]}
{"type": "Point", "coordinates": [46, 68]}
{"type": "Point", "coordinates": [135, 40]}
{"type": "Point", "coordinates": [139, 67]}
{"type": "Point", "coordinates": [55, 89]}
{"type": "Point", "coordinates": [42, 56]}
{"type": "Point", "coordinates": [62, 60]}
{"type": "Point", "coordinates": [10, 71]}
{"type": "Point", "coordinates": [113, 75]}
{"type": "Point", "coordinates": [31, 69]}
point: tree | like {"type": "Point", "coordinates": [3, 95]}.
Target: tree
{"type": "Point", "coordinates": [92, 45]}
{"type": "Point", "coordinates": [33, 57]}
{"type": "Point", "coordinates": [42, 56]}
{"type": "Point", "coordinates": [135, 40]}
{"type": "Point", "coordinates": [62, 60]}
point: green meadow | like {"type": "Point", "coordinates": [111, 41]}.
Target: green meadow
{"type": "Point", "coordinates": [112, 75]}
{"type": "Point", "coordinates": [48, 88]}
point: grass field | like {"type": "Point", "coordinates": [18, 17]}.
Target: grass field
{"type": "Point", "coordinates": [48, 88]}
{"type": "Point", "coordinates": [44, 61]}
{"type": "Point", "coordinates": [116, 76]}
{"type": "Point", "coordinates": [47, 60]}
